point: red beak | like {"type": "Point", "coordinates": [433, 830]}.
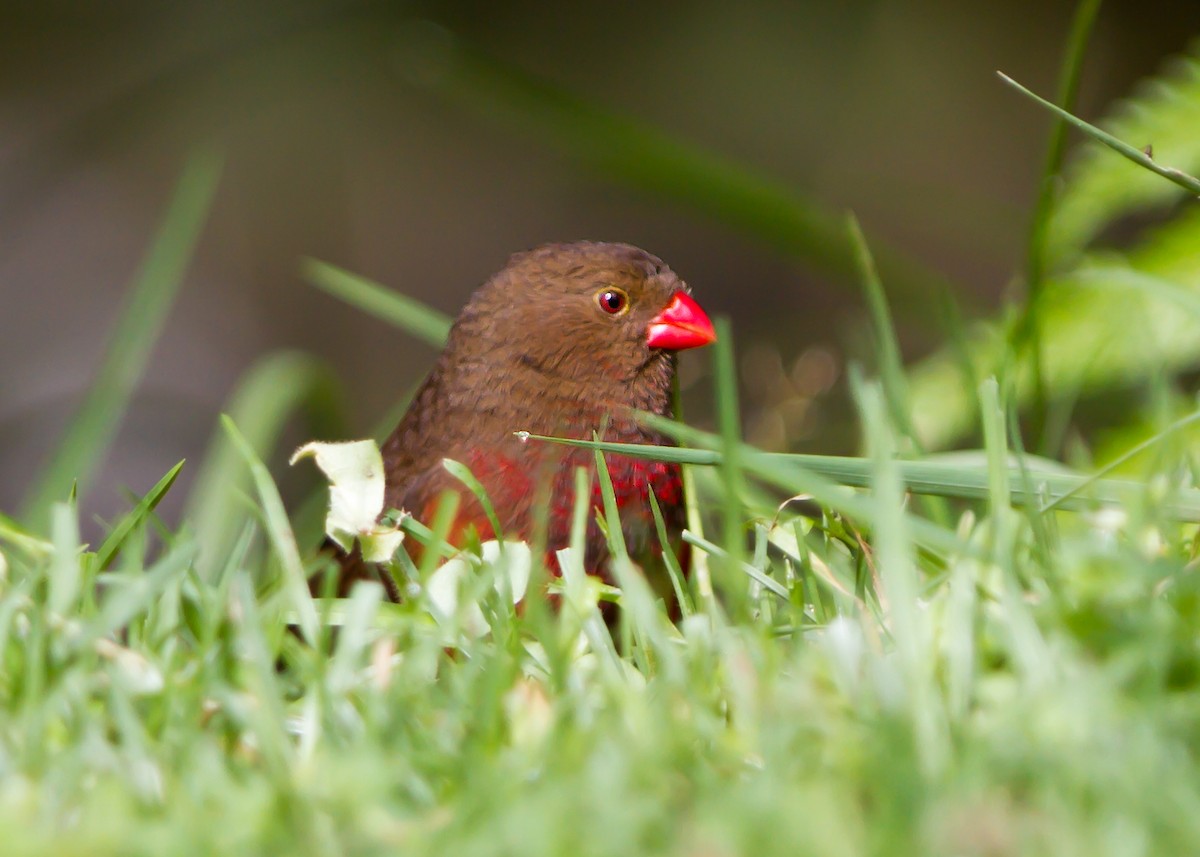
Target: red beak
{"type": "Point", "coordinates": [681, 325]}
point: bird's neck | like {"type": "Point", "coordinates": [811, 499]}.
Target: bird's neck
{"type": "Point", "coordinates": [540, 398]}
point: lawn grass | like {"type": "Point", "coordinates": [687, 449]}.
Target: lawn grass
{"type": "Point", "coordinates": [869, 681]}
{"type": "Point", "coordinates": [982, 654]}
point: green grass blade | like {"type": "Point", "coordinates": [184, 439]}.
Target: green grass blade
{"type": "Point", "coordinates": [122, 603]}
{"type": "Point", "coordinates": [670, 562]}
{"type": "Point", "coordinates": [942, 476]}
{"type": "Point", "coordinates": [783, 473]}
{"type": "Point", "coordinates": [360, 610]}
{"type": "Point", "coordinates": [999, 476]}
{"type": "Point", "coordinates": [1139, 157]}
{"type": "Point", "coordinates": [134, 519]}
{"type": "Point", "coordinates": [894, 557]}
{"type": "Point", "coordinates": [66, 573]}
{"type": "Point", "coordinates": [464, 475]}
{"type": "Point", "coordinates": [1034, 513]}
{"type": "Point", "coordinates": [439, 530]}
{"type": "Point", "coordinates": [146, 305]}
{"type": "Point", "coordinates": [269, 396]}
{"type": "Point", "coordinates": [1068, 89]}
{"type": "Point", "coordinates": [1027, 330]}
{"type": "Point", "coordinates": [20, 538]}
{"type": "Point", "coordinates": [580, 510]}
{"type": "Point", "coordinates": [408, 314]}
{"type": "Point", "coordinates": [612, 517]}
{"type": "Point", "coordinates": [1101, 191]}
{"type": "Point", "coordinates": [279, 531]}
{"type": "Point", "coordinates": [583, 608]}
{"type": "Point", "coordinates": [891, 366]}
{"type": "Point", "coordinates": [755, 574]}
{"type": "Point", "coordinates": [1123, 459]}
{"type": "Point", "coordinates": [701, 577]}
{"type": "Point", "coordinates": [427, 537]}
{"type": "Point", "coordinates": [733, 486]}
{"type": "Point", "coordinates": [1024, 638]}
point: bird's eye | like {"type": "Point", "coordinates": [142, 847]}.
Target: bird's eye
{"type": "Point", "coordinates": [612, 301]}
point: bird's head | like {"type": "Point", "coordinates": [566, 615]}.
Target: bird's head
{"type": "Point", "coordinates": [596, 319]}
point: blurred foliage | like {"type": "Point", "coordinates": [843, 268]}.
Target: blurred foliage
{"type": "Point", "coordinates": [1109, 318]}
{"type": "Point", "coordinates": [1100, 191]}
{"type": "Point", "coordinates": [1012, 671]}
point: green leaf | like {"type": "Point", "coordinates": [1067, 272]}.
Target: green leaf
{"type": "Point", "coordinates": [1088, 341]}
{"type": "Point", "coordinates": [732, 481]}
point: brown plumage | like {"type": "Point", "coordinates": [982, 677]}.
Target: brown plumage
{"type": "Point", "coordinates": [567, 339]}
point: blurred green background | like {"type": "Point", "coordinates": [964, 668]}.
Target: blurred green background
{"type": "Point", "coordinates": [420, 143]}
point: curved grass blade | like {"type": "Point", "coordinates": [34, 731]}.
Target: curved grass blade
{"type": "Point", "coordinates": [464, 475]}
{"type": "Point", "coordinates": [408, 314]}
{"type": "Point", "coordinates": [279, 531]}
{"type": "Point", "coordinates": [1185, 181]}
{"type": "Point", "coordinates": [701, 577]}
{"type": "Point", "coordinates": [755, 574]}
{"type": "Point", "coordinates": [670, 562]}
{"type": "Point", "coordinates": [907, 623]}
{"type": "Point", "coordinates": [268, 396]}
{"type": "Point", "coordinates": [1163, 109]}
{"type": "Point", "coordinates": [616, 537]}
{"type": "Point", "coordinates": [65, 575]}
{"type": "Point", "coordinates": [147, 303]}
{"type": "Point", "coordinates": [1056, 146]}
{"type": "Point", "coordinates": [14, 534]}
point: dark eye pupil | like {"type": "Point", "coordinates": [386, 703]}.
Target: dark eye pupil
{"type": "Point", "coordinates": [612, 301]}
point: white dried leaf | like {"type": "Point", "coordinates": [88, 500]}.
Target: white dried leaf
{"type": "Point", "coordinates": [356, 495]}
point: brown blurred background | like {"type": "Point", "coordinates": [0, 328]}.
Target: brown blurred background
{"type": "Point", "coordinates": [342, 141]}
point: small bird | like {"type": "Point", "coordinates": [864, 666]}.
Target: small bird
{"type": "Point", "coordinates": [566, 340]}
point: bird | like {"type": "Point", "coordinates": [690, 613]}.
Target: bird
{"type": "Point", "coordinates": [570, 340]}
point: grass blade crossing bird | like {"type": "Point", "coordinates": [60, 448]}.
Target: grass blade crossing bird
{"type": "Point", "coordinates": [568, 340]}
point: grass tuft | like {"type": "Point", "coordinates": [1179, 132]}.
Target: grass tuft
{"type": "Point", "coordinates": [1012, 670]}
